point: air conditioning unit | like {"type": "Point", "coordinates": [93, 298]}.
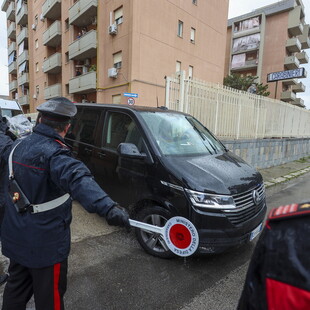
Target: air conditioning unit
{"type": "Point", "coordinates": [34, 26]}
{"type": "Point", "coordinates": [34, 96]}
{"type": "Point", "coordinates": [42, 17]}
{"type": "Point", "coordinates": [112, 73]}
{"type": "Point", "coordinates": [94, 21]}
{"type": "Point", "coordinates": [113, 29]}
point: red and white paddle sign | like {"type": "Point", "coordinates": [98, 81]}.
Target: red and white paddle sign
{"type": "Point", "coordinates": [179, 233]}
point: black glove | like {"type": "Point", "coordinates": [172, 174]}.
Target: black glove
{"type": "Point", "coordinates": [118, 216]}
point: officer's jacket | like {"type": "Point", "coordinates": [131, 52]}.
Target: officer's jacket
{"type": "Point", "coordinates": [45, 170]}
{"type": "Point", "coordinates": [278, 277]}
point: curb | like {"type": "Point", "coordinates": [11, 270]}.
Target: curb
{"type": "Point", "coordinates": [288, 177]}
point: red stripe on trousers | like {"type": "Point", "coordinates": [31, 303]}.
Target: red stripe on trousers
{"type": "Point", "coordinates": [56, 287]}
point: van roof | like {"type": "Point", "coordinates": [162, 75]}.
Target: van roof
{"type": "Point", "coordinates": [9, 105]}
{"type": "Point", "coordinates": [128, 107]}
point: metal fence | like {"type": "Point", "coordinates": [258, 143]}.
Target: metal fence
{"type": "Point", "coordinates": [234, 114]}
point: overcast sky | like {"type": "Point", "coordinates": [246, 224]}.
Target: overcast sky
{"type": "Point", "coordinates": [236, 8]}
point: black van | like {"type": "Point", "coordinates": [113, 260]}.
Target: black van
{"type": "Point", "coordinates": [160, 163]}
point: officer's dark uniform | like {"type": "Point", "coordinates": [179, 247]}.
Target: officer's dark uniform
{"type": "Point", "coordinates": [278, 277]}
{"type": "Point", "coordinates": [38, 244]}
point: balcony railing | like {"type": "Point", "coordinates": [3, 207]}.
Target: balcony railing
{"type": "Point", "coordinates": [22, 16]}
{"type": "Point", "coordinates": [13, 86]}
{"type": "Point", "coordinates": [52, 91]}
{"type": "Point", "coordinates": [295, 26]}
{"type": "Point", "coordinates": [84, 47]}
{"type": "Point", "coordinates": [248, 64]}
{"type": "Point", "coordinates": [23, 79]}
{"type": "Point", "coordinates": [293, 45]}
{"type": "Point", "coordinates": [52, 9]}
{"type": "Point", "coordinates": [12, 31]}
{"type": "Point", "coordinates": [12, 68]}
{"type": "Point", "coordinates": [23, 100]}
{"type": "Point", "coordinates": [299, 88]}
{"type": "Point", "coordinates": [288, 96]}
{"type": "Point", "coordinates": [82, 12]}
{"type": "Point", "coordinates": [291, 62]}
{"type": "Point", "coordinates": [12, 48]}
{"type": "Point", "coordinates": [5, 5]}
{"type": "Point", "coordinates": [299, 102]}
{"type": "Point", "coordinates": [290, 82]}
{"type": "Point", "coordinates": [22, 36]}
{"type": "Point", "coordinates": [52, 65]}
{"type": "Point", "coordinates": [302, 57]}
{"type": "Point", "coordinates": [304, 38]}
{"type": "Point", "coordinates": [10, 13]}
{"type": "Point", "coordinates": [24, 56]}
{"type": "Point", "coordinates": [52, 36]}
{"type": "Point", "coordinates": [85, 83]}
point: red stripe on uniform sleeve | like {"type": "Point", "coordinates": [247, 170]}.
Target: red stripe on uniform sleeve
{"type": "Point", "coordinates": [56, 287]}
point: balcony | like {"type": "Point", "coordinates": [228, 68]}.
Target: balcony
{"type": "Point", "coordinates": [12, 48]}
{"type": "Point", "coordinates": [293, 45]}
{"type": "Point", "coordinates": [22, 16]}
{"type": "Point", "coordinates": [52, 65]}
{"type": "Point", "coordinates": [13, 86]}
{"type": "Point", "coordinates": [10, 13]}
{"type": "Point", "coordinates": [82, 12]}
{"type": "Point", "coordinates": [85, 83]}
{"type": "Point", "coordinates": [248, 64]}
{"type": "Point", "coordinates": [52, 9]}
{"type": "Point", "coordinates": [23, 36]}
{"type": "Point", "coordinates": [299, 88]}
{"type": "Point", "coordinates": [24, 56]}
{"type": "Point", "coordinates": [52, 91]}
{"type": "Point", "coordinates": [23, 100]}
{"type": "Point", "coordinates": [290, 82]}
{"type": "Point", "coordinates": [12, 31]}
{"type": "Point", "coordinates": [5, 5]}
{"type": "Point", "coordinates": [302, 57]}
{"type": "Point", "coordinates": [84, 47]}
{"type": "Point", "coordinates": [23, 79]}
{"type": "Point", "coordinates": [299, 102]}
{"type": "Point", "coordinates": [52, 36]}
{"type": "Point", "coordinates": [291, 62]}
{"type": "Point", "coordinates": [13, 68]}
{"type": "Point", "coordinates": [295, 26]}
{"type": "Point", "coordinates": [288, 96]}
{"type": "Point", "coordinates": [304, 38]}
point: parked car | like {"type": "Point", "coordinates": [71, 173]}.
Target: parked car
{"type": "Point", "coordinates": [160, 163]}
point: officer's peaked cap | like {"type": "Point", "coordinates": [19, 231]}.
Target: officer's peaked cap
{"type": "Point", "coordinates": [59, 106]}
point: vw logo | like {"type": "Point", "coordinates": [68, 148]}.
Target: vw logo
{"type": "Point", "coordinates": [256, 197]}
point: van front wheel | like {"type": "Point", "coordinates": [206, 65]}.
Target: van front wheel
{"type": "Point", "coordinates": [153, 243]}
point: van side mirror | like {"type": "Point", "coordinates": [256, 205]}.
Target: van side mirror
{"type": "Point", "coordinates": [130, 150]}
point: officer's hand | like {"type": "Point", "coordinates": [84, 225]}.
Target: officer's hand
{"type": "Point", "coordinates": [118, 216]}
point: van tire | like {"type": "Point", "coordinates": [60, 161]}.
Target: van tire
{"type": "Point", "coordinates": [152, 243]}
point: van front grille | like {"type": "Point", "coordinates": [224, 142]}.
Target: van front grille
{"type": "Point", "coordinates": [246, 208]}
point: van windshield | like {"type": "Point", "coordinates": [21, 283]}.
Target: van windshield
{"type": "Point", "coordinates": [178, 134]}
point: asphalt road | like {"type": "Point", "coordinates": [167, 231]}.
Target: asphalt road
{"type": "Point", "coordinates": [109, 270]}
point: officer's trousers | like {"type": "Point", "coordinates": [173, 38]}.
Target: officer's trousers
{"type": "Point", "coordinates": [48, 286]}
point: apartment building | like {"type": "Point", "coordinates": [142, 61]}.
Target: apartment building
{"type": "Point", "coordinates": [270, 39]}
{"type": "Point", "coordinates": [95, 51]}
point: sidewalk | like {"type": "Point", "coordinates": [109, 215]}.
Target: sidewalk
{"type": "Point", "coordinates": [279, 174]}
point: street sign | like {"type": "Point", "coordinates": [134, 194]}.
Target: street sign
{"type": "Point", "coordinates": [179, 234]}
{"type": "Point", "coordinates": [286, 75]}
{"type": "Point", "coordinates": [131, 101]}
{"type": "Point", "coordinates": [133, 95]}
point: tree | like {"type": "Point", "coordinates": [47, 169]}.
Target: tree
{"type": "Point", "coordinates": [245, 82]}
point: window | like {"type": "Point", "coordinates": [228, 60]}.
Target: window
{"type": "Point", "coordinates": [67, 89]}
{"type": "Point", "coordinates": [190, 72]}
{"type": "Point", "coordinates": [67, 57]}
{"type": "Point", "coordinates": [178, 66]}
{"type": "Point", "coordinates": [180, 28]}
{"type": "Point", "coordinates": [67, 25]}
{"type": "Point", "coordinates": [193, 32]}
{"type": "Point", "coordinates": [36, 43]}
{"type": "Point", "coordinates": [117, 60]}
{"type": "Point", "coordinates": [37, 67]}
{"type": "Point", "coordinates": [37, 90]}
{"type": "Point", "coordinates": [116, 99]}
{"type": "Point", "coordinates": [118, 15]}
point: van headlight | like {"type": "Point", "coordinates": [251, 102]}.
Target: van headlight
{"type": "Point", "coordinates": [203, 200]}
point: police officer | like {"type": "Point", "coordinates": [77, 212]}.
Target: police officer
{"type": "Point", "coordinates": [278, 277]}
{"type": "Point", "coordinates": [44, 178]}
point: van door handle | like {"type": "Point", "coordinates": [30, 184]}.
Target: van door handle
{"type": "Point", "coordinates": [101, 155]}
{"type": "Point", "coordinates": [88, 151]}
